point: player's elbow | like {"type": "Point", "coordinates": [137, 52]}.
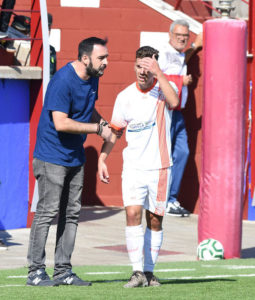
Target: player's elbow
{"type": "Point", "coordinates": [60, 120]}
{"type": "Point", "coordinates": [59, 126]}
{"type": "Point", "coordinates": [175, 102]}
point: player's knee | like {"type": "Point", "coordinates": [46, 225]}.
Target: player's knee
{"type": "Point", "coordinates": [154, 222]}
{"type": "Point", "coordinates": [155, 226]}
{"type": "Point", "coordinates": [133, 216]}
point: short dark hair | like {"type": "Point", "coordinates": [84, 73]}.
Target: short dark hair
{"type": "Point", "coordinates": [147, 51]}
{"type": "Point", "coordinates": [86, 46]}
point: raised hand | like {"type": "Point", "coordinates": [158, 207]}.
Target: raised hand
{"type": "Point", "coordinates": [151, 65]}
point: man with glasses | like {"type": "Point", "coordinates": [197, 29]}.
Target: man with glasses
{"type": "Point", "coordinates": [5, 17]}
{"type": "Point", "coordinates": [173, 60]}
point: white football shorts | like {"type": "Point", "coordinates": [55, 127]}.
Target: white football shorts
{"type": "Point", "coordinates": [148, 188]}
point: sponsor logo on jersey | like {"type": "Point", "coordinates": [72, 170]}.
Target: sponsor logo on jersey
{"type": "Point", "coordinates": [136, 127]}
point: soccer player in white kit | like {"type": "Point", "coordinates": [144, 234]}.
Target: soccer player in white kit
{"type": "Point", "coordinates": [143, 108]}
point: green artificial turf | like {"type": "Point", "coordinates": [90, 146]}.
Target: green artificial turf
{"type": "Point", "coordinates": [221, 280]}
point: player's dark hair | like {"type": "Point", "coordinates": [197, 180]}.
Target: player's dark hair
{"type": "Point", "coordinates": [147, 51]}
{"type": "Point", "coordinates": [86, 46]}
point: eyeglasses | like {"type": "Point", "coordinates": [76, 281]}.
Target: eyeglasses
{"type": "Point", "coordinates": [181, 35]}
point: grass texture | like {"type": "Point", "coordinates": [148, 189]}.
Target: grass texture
{"type": "Point", "coordinates": [221, 280]}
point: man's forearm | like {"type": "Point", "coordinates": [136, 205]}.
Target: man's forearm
{"type": "Point", "coordinates": [107, 147]}
{"type": "Point", "coordinates": [194, 47]}
{"type": "Point", "coordinates": [170, 94]}
{"type": "Point", "coordinates": [64, 124]}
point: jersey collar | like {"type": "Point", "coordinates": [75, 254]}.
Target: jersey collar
{"type": "Point", "coordinates": [147, 90]}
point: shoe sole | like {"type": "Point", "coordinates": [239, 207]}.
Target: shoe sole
{"type": "Point", "coordinates": [29, 284]}
{"type": "Point", "coordinates": [176, 215]}
{"type": "Point", "coordinates": [143, 285]}
{"type": "Point", "coordinates": [155, 285]}
{"type": "Point", "coordinates": [132, 287]}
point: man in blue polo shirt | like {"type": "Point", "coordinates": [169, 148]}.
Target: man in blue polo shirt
{"type": "Point", "coordinates": [68, 115]}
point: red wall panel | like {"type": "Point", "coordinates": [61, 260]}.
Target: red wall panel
{"type": "Point", "coordinates": [123, 4]}
{"type": "Point", "coordinates": [122, 21]}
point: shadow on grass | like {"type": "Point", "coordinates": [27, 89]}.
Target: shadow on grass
{"type": "Point", "coordinates": [185, 281]}
{"type": "Point", "coordinates": [109, 281]}
{"type": "Point", "coordinates": [171, 281]}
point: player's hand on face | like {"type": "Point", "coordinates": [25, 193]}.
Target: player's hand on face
{"type": "Point", "coordinates": [151, 65]}
{"type": "Point", "coordinates": [103, 172]}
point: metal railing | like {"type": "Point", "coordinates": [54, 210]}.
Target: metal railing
{"type": "Point", "coordinates": [178, 3]}
{"type": "Point", "coordinates": [35, 35]}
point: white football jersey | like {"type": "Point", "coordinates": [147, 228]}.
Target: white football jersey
{"type": "Point", "coordinates": [147, 119]}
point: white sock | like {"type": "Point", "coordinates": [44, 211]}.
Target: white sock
{"type": "Point", "coordinates": [135, 241]}
{"type": "Point", "coordinates": [152, 244]}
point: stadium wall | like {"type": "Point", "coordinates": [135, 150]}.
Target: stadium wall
{"type": "Point", "coordinates": [122, 22]}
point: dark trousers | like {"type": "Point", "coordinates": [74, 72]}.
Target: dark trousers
{"type": "Point", "coordinates": [6, 16]}
{"type": "Point", "coordinates": [180, 153]}
{"type": "Point", "coordinates": [60, 190]}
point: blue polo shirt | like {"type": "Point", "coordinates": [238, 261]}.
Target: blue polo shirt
{"type": "Point", "coordinates": [67, 93]}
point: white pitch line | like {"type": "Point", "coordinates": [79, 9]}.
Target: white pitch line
{"type": "Point", "coordinates": [18, 276]}
{"type": "Point", "coordinates": [230, 267]}
{"type": "Point", "coordinates": [160, 270]}
{"type": "Point", "coordinates": [156, 271]}
{"type": "Point", "coordinates": [88, 273]}
{"type": "Point", "coordinates": [239, 267]}
{"type": "Point", "coordinates": [103, 273]}
{"type": "Point", "coordinates": [208, 277]}
{"type": "Point", "coordinates": [109, 273]}
{"type": "Point", "coordinates": [174, 270]}
{"type": "Point", "coordinates": [163, 279]}
{"type": "Point", "coordinates": [11, 285]}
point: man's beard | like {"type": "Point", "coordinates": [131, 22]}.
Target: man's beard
{"type": "Point", "coordinates": [92, 72]}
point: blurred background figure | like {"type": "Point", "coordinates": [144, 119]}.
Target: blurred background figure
{"type": "Point", "coordinates": [5, 17]}
{"type": "Point", "coordinates": [2, 245]}
{"type": "Point", "coordinates": [53, 56]}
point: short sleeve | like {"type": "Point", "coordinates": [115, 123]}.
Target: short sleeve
{"type": "Point", "coordinates": [58, 96]}
{"type": "Point", "coordinates": [118, 116]}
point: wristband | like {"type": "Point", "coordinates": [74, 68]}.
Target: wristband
{"type": "Point", "coordinates": [104, 123]}
{"type": "Point", "coordinates": [100, 127]}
